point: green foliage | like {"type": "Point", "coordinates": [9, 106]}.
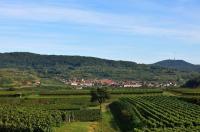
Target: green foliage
{"type": "Point", "coordinates": [65, 92]}
{"type": "Point", "coordinates": [191, 99]}
{"type": "Point", "coordinates": [115, 91]}
{"type": "Point", "coordinates": [99, 95]}
{"type": "Point", "coordinates": [73, 127]}
{"type": "Point", "coordinates": [136, 91]}
{"type": "Point", "coordinates": [186, 91]}
{"type": "Point", "coordinates": [26, 119]}
{"type": "Point", "coordinates": [176, 129]}
{"type": "Point", "coordinates": [193, 83]}
{"type": "Point", "coordinates": [43, 114]}
{"type": "Point", "coordinates": [63, 103]}
{"type": "Point", "coordinates": [124, 116]}
{"type": "Point", "coordinates": [15, 78]}
{"type": "Point", "coordinates": [87, 115]}
{"type": "Point", "coordinates": [141, 112]}
{"type": "Point", "coordinates": [178, 64]}
{"type": "Point", "coordinates": [48, 66]}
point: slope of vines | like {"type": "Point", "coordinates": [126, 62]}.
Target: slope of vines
{"type": "Point", "coordinates": [155, 113]}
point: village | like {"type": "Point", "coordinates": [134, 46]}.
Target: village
{"type": "Point", "coordinates": [82, 83]}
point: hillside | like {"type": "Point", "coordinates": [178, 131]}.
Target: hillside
{"type": "Point", "coordinates": [51, 66]}
{"type": "Point", "coordinates": [178, 64]}
{"type": "Point", "coordinates": [15, 78]}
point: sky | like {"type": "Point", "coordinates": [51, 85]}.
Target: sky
{"type": "Point", "coordinates": [143, 31]}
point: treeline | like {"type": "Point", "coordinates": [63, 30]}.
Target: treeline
{"type": "Point", "coordinates": [193, 83]}
{"type": "Point", "coordinates": [88, 67]}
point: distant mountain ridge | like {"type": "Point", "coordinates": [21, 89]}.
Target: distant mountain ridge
{"type": "Point", "coordinates": [68, 67]}
{"type": "Point", "coordinates": [178, 64]}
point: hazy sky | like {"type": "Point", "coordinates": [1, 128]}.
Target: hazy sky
{"type": "Point", "coordinates": [144, 31]}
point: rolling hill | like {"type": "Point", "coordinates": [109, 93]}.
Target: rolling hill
{"type": "Point", "coordinates": [178, 64]}
{"type": "Point", "coordinates": [54, 66]}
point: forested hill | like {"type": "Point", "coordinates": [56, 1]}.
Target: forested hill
{"type": "Point", "coordinates": [24, 59]}
{"type": "Point", "coordinates": [179, 65]}
{"type": "Point", "coordinates": [88, 67]}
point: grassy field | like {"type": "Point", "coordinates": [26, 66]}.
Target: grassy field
{"type": "Point", "coordinates": [107, 124]}
{"type": "Point", "coordinates": [77, 127]}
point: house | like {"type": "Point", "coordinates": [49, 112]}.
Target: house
{"type": "Point", "coordinates": [107, 82]}
{"type": "Point", "coordinates": [88, 84]}
{"type": "Point", "coordinates": [74, 84]}
{"type": "Point", "coordinates": [132, 85]}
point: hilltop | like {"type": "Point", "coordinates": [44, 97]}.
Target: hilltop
{"type": "Point", "coordinates": [55, 66]}
{"type": "Point", "coordinates": [178, 64]}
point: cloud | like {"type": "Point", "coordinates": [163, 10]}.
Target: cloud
{"type": "Point", "coordinates": [131, 24]}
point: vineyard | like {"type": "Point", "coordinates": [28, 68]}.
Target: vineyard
{"type": "Point", "coordinates": [115, 91]}
{"type": "Point", "coordinates": [186, 91]}
{"type": "Point", "coordinates": [68, 92]}
{"type": "Point", "coordinates": [139, 110]}
{"type": "Point", "coordinates": [44, 110]}
{"type": "Point", "coordinates": [38, 119]}
{"type": "Point", "coordinates": [156, 113]}
{"type": "Point", "coordinates": [42, 114]}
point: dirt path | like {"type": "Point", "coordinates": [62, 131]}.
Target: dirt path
{"type": "Point", "coordinates": [105, 124]}
{"type": "Point", "coordinates": [93, 127]}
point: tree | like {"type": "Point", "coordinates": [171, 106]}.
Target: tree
{"type": "Point", "coordinates": [193, 83]}
{"type": "Point", "coordinates": [99, 95]}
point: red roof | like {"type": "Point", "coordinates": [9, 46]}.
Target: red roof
{"type": "Point", "coordinates": [106, 81]}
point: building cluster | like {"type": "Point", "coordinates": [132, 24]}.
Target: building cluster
{"type": "Point", "coordinates": [159, 84]}
{"type": "Point", "coordinates": [112, 83]}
